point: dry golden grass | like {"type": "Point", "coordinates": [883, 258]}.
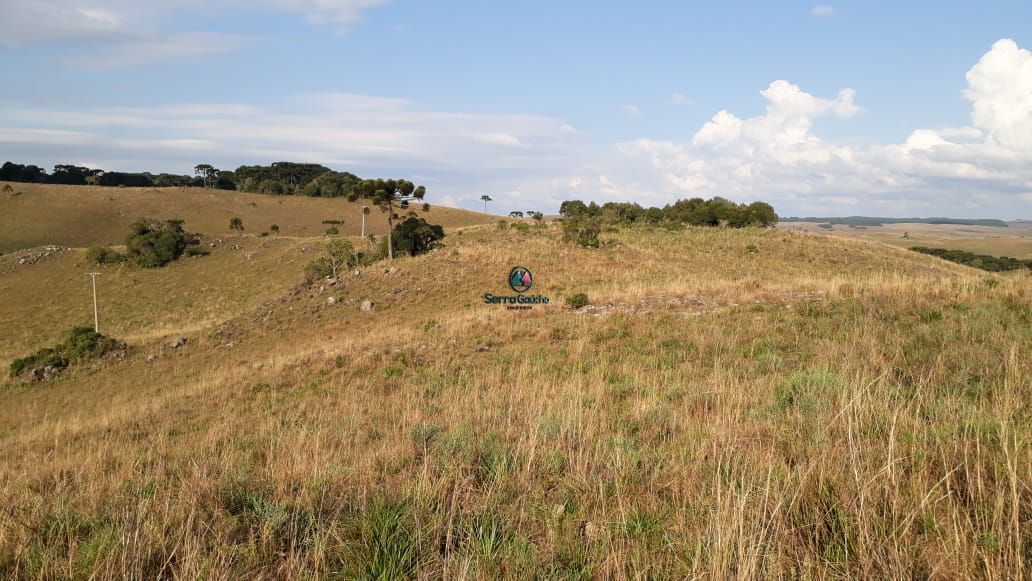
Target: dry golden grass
{"type": "Point", "coordinates": [80, 216]}
{"type": "Point", "coordinates": [1014, 241]}
{"type": "Point", "coordinates": [819, 408]}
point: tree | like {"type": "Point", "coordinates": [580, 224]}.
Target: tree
{"type": "Point", "coordinates": [208, 173]}
{"type": "Point", "coordinates": [416, 235]}
{"type": "Point", "coordinates": [389, 196]}
{"type": "Point", "coordinates": [486, 199]}
{"type": "Point", "coordinates": [762, 214]}
{"type": "Point", "coordinates": [274, 228]}
{"type": "Point", "coordinates": [153, 243]}
{"type": "Point", "coordinates": [516, 214]}
{"type": "Point", "coordinates": [340, 255]}
{"type": "Point", "coordinates": [236, 224]}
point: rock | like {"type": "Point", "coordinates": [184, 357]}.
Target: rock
{"type": "Point", "coordinates": [229, 345]}
{"type": "Point", "coordinates": [151, 358]}
{"type": "Point", "coordinates": [483, 349]}
{"type": "Point", "coordinates": [330, 300]}
{"type": "Point", "coordinates": [367, 305]}
{"type": "Point", "coordinates": [358, 272]}
{"type": "Point", "coordinates": [178, 342]}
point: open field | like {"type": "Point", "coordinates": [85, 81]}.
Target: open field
{"type": "Point", "coordinates": [81, 216]}
{"type": "Point", "coordinates": [747, 403]}
{"type": "Point", "coordinates": [1014, 241]}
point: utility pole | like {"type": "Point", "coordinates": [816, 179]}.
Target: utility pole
{"type": "Point", "coordinates": [365, 210]}
{"type": "Point", "coordinates": [96, 318]}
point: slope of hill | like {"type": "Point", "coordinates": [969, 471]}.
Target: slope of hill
{"type": "Point", "coordinates": [752, 403]}
{"type": "Point", "coordinates": [79, 216]}
{"type": "Point", "coordinates": [1014, 241]}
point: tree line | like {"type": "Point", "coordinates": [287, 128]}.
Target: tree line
{"type": "Point", "coordinates": [983, 261]}
{"type": "Point", "coordinates": [716, 211]}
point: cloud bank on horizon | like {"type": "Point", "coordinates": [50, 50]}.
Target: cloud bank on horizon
{"type": "Point", "coordinates": [983, 168]}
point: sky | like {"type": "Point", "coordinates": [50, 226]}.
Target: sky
{"type": "Point", "coordinates": [899, 109]}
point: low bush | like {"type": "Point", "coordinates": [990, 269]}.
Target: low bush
{"type": "Point", "coordinates": [82, 343]}
{"type": "Point", "coordinates": [582, 231]}
{"type": "Point", "coordinates": [103, 255]}
{"type": "Point", "coordinates": [577, 300]}
{"type": "Point", "coordinates": [332, 231]}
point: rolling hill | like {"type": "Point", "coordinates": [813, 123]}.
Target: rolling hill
{"type": "Point", "coordinates": [734, 403]}
{"type": "Point", "coordinates": [79, 216]}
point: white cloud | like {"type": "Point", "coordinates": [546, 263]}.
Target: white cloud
{"type": "Point", "coordinates": [125, 33]}
{"type": "Point", "coordinates": [679, 100]}
{"type": "Point", "coordinates": [823, 11]}
{"type": "Point", "coordinates": [631, 110]}
{"type": "Point", "coordinates": [137, 52]}
{"type": "Point", "coordinates": [341, 13]}
{"type": "Point", "coordinates": [985, 166]}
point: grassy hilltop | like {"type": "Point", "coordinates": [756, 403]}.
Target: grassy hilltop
{"type": "Point", "coordinates": [79, 216]}
{"type": "Point", "coordinates": [732, 403]}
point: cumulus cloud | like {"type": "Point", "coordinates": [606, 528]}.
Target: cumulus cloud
{"type": "Point", "coordinates": [985, 167]}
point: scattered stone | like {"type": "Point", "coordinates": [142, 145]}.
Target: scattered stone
{"type": "Point", "coordinates": [229, 345]}
{"type": "Point", "coordinates": [358, 272]}
{"type": "Point", "coordinates": [178, 342]}
{"type": "Point", "coordinates": [39, 254]}
{"type": "Point", "coordinates": [331, 300]}
{"type": "Point", "coordinates": [483, 349]}
{"type": "Point", "coordinates": [367, 305]}
{"type": "Point", "coordinates": [151, 358]}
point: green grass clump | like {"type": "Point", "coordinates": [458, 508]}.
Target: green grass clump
{"type": "Point", "coordinates": [82, 343]}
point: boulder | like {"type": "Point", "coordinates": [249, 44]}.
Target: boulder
{"type": "Point", "coordinates": [177, 342]}
{"type": "Point", "coordinates": [367, 305]}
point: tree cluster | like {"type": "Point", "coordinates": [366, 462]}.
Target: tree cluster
{"type": "Point", "coordinates": [716, 211]}
{"type": "Point", "coordinates": [982, 261]}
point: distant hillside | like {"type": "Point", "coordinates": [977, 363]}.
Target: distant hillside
{"type": "Point", "coordinates": [78, 216]}
{"type": "Point", "coordinates": [873, 221]}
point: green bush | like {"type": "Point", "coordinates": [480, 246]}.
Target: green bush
{"type": "Point", "coordinates": [583, 231]}
{"type": "Point", "coordinates": [82, 343]}
{"type": "Point", "coordinates": [503, 225]}
{"type": "Point", "coordinates": [577, 300]}
{"type": "Point", "coordinates": [332, 231]}
{"type": "Point", "coordinates": [416, 236]}
{"type": "Point", "coordinates": [154, 243]}
{"type": "Point", "coordinates": [522, 227]}
{"type": "Point", "coordinates": [103, 255]}
{"type": "Point", "coordinates": [274, 228]}
{"type": "Point", "coordinates": [236, 224]}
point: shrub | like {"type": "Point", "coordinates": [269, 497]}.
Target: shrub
{"type": "Point", "coordinates": [416, 236]}
{"type": "Point", "coordinates": [583, 231]}
{"type": "Point", "coordinates": [103, 255]}
{"type": "Point", "coordinates": [577, 300]}
{"type": "Point", "coordinates": [340, 255]}
{"type": "Point", "coordinates": [236, 223]}
{"type": "Point", "coordinates": [503, 225]}
{"type": "Point", "coordinates": [332, 231]}
{"type": "Point", "coordinates": [752, 249]}
{"type": "Point", "coordinates": [274, 228]}
{"type": "Point", "coordinates": [153, 243]}
{"type": "Point", "coordinates": [521, 227]}
{"type": "Point", "coordinates": [8, 188]}
{"type": "Point", "coordinates": [82, 343]}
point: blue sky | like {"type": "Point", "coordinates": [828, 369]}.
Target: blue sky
{"type": "Point", "coordinates": [897, 109]}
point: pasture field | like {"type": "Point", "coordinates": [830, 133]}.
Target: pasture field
{"type": "Point", "coordinates": [731, 404]}
{"type": "Point", "coordinates": [1015, 240]}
